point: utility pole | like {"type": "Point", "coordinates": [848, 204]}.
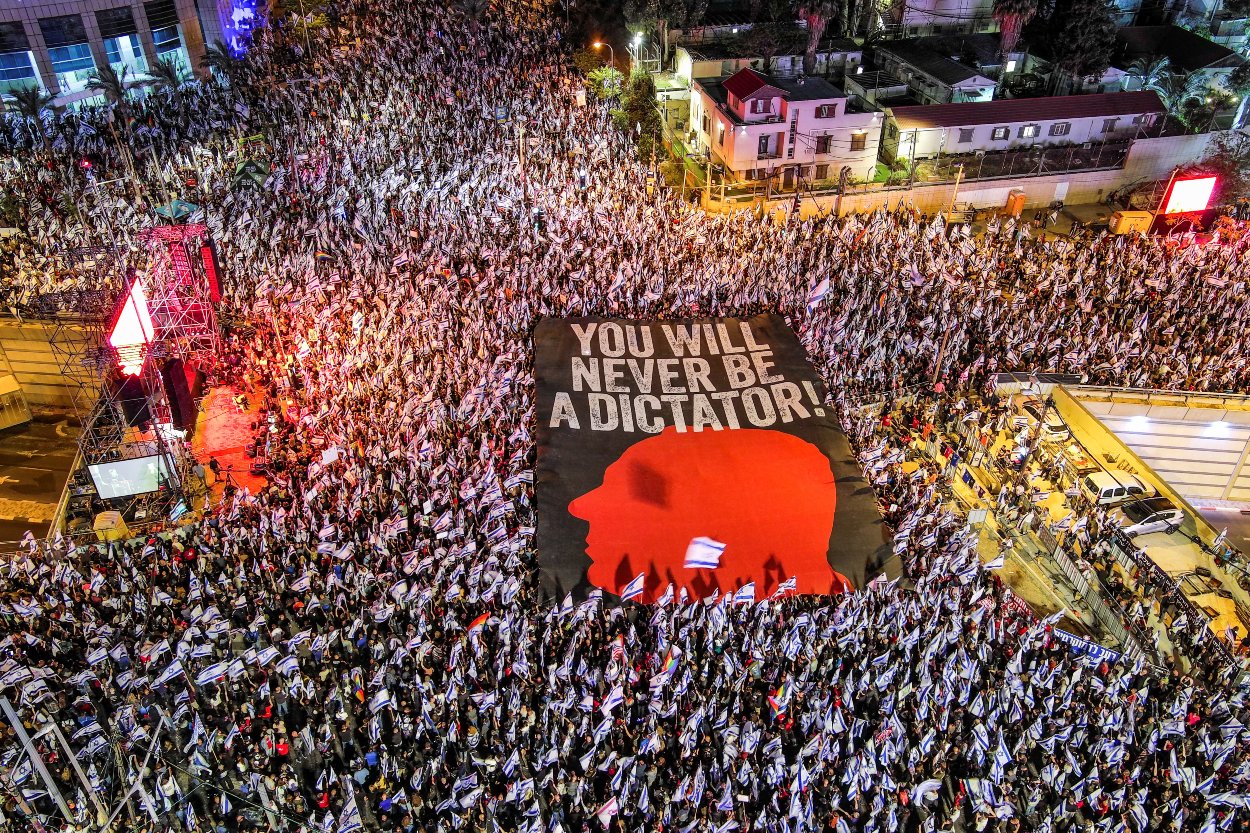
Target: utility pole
{"type": "Point", "coordinates": [959, 174]}
{"type": "Point", "coordinates": [941, 354]}
{"type": "Point", "coordinates": [29, 748]}
{"type": "Point", "coordinates": [101, 812]}
{"type": "Point", "coordinates": [843, 176]}
{"type": "Point", "coordinates": [31, 816]}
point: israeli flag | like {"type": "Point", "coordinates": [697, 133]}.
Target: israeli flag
{"type": "Point", "coordinates": [817, 294]}
{"type": "Point", "coordinates": [381, 700]}
{"type": "Point", "coordinates": [634, 589]}
{"type": "Point", "coordinates": [745, 594]}
{"type": "Point", "coordinates": [703, 554]}
{"type": "Point", "coordinates": [788, 586]}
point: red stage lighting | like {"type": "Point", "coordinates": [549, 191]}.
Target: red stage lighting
{"type": "Point", "coordinates": [1186, 195]}
{"type": "Point", "coordinates": [133, 332]}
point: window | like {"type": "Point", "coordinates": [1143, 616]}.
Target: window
{"type": "Point", "coordinates": [1108, 125]}
{"type": "Point", "coordinates": [859, 140]}
{"type": "Point", "coordinates": [822, 171]}
{"type": "Point", "coordinates": [759, 105]}
{"type": "Point", "coordinates": [1061, 128]}
{"type": "Point", "coordinates": [763, 146]}
{"type": "Point", "coordinates": [1001, 134]}
{"type": "Point", "coordinates": [965, 135]}
{"type": "Point", "coordinates": [707, 124]}
{"type": "Point", "coordinates": [1141, 119]}
{"type": "Point", "coordinates": [720, 134]}
{"type": "Point", "coordinates": [827, 111]}
{"type": "Point", "coordinates": [1028, 131]}
{"type": "Point", "coordinates": [823, 143]}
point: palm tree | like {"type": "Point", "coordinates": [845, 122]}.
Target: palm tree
{"type": "Point", "coordinates": [220, 61]}
{"type": "Point", "coordinates": [1012, 15]}
{"type": "Point", "coordinates": [817, 13]}
{"type": "Point", "coordinates": [165, 76]}
{"type": "Point", "coordinates": [1176, 90]}
{"type": "Point", "coordinates": [474, 11]}
{"type": "Point", "coordinates": [115, 88]}
{"type": "Point", "coordinates": [1151, 72]}
{"type": "Point", "coordinates": [30, 102]}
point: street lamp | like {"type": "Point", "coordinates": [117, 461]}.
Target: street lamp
{"type": "Point", "coordinates": [611, 52]}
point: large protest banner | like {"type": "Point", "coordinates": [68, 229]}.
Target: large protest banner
{"type": "Point", "coordinates": [700, 453]}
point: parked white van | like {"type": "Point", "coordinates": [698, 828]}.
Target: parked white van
{"type": "Point", "coordinates": [1110, 487]}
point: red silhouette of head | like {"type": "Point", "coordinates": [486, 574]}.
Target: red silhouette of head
{"type": "Point", "coordinates": [768, 496]}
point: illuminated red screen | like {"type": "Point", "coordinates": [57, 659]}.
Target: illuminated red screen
{"type": "Point", "coordinates": [133, 331]}
{"type": "Point", "coordinates": [1189, 195]}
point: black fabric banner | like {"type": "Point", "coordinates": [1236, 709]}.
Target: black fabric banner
{"type": "Point", "coordinates": [699, 453]}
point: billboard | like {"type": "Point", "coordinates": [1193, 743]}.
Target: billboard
{"type": "Point", "coordinates": [700, 453]}
{"type": "Point", "coordinates": [1187, 195]}
{"type": "Point", "coordinates": [123, 478]}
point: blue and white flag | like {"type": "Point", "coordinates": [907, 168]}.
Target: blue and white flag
{"type": "Point", "coordinates": [349, 819]}
{"type": "Point", "coordinates": [817, 294]}
{"type": "Point", "coordinates": [703, 554]}
{"type": "Point", "coordinates": [745, 594]}
{"type": "Point", "coordinates": [634, 589]}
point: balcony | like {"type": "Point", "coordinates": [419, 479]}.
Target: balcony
{"type": "Point", "coordinates": [768, 156]}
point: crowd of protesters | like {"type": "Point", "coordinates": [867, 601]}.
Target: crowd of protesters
{"type": "Point", "coordinates": [364, 642]}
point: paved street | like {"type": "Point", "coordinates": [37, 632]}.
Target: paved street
{"type": "Point", "coordinates": [35, 460]}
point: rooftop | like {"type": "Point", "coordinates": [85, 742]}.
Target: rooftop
{"type": "Point", "coordinates": [1008, 111]}
{"type": "Point", "coordinates": [726, 50]}
{"type": "Point", "coordinates": [938, 66]}
{"type": "Point", "coordinates": [980, 49]}
{"type": "Point", "coordinates": [792, 89]}
{"type": "Point", "coordinates": [1185, 50]}
{"type": "Point", "coordinates": [746, 82]}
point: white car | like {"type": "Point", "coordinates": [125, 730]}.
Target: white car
{"type": "Point", "coordinates": [1156, 514]}
{"type": "Point", "coordinates": [1054, 429]}
{"type": "Point", "coordinates": [1108, 488]}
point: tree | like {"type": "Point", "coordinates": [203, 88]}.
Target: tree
{"type": "Point", "coordinates": [1083, 38]}
{"type": "Point", "coordinates": [1238, 83]}
{"type": "Point", "coordinates": [638, 115]}
{"type": "Point", "coordinates": [766, 40]}
{"type": "Point", "coordinates": [1152, 72]}
{"type": "Point", "coordinates": [30, 102]}
{"type": "Point", "coordinates": [220, 61]}
{"type": "Point", "coordinates": [1199, 112]}
{"type": "Point", "coordinates": [1012, 15]}
{"type": "Point", "coordinates": [588, 60]}
{"type": "Point", "coordinates": [605, 82]}
{"type": "Point", "coordinates": [817, 13]}
{"type": "Point", "coordinates": [473, 11]}
{"type": "Point", "coordinates": [1228, 158]}
{"type": "Point", "coordinates": [165, 76]}
{"type": "Point", "coordinates": [115, 88]}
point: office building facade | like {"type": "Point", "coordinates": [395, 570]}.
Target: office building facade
{"type": "Point", "coordinates": [56, 45]}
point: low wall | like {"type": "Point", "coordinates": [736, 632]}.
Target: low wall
{"type": "Point", "coordinates": [1148, 160]}
{"type": "Point", "coordinates": [35, 365]}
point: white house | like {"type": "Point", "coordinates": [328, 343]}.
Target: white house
{"type": "Point", "coordinates": [758, 126]}
{"type": "Point", "coordinates": [925, 17]}
{"type": "Point", "coordinates": [834, 57]}
{"type": "Point", "coordinates": [932, 77]}
{"type": "Point", "coordinates": [1010, 124]}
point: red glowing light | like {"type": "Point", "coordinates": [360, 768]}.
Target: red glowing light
{"type": "Point", "coordinates": [1188, 195]}
{"type": "Point", "coordinates": [133, 331]}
